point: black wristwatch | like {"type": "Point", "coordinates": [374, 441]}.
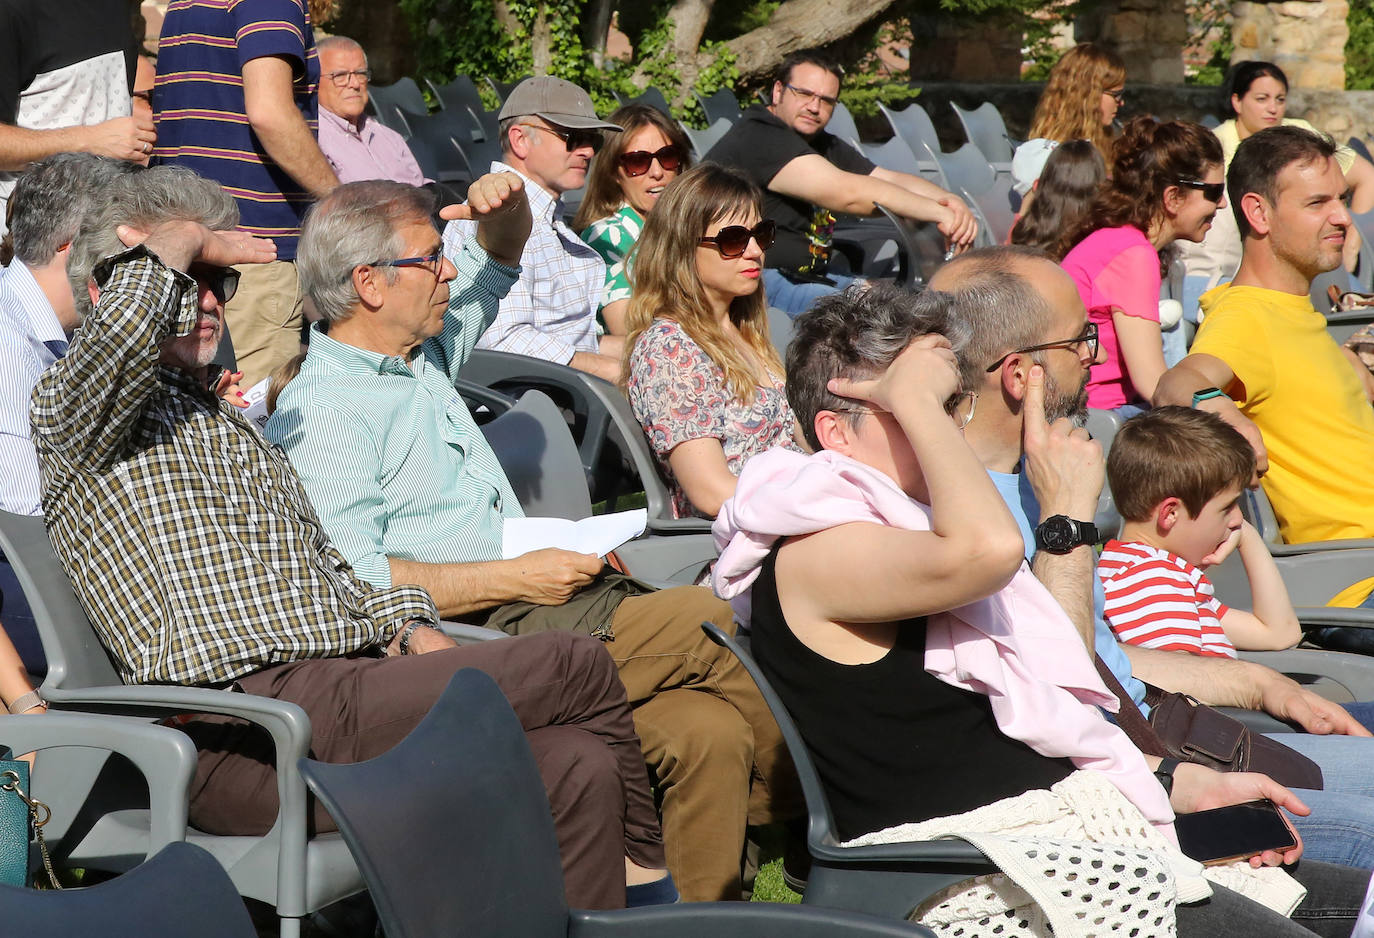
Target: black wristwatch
{"type": "Point", "coordinates": [1165, 774]}
{"type": "Point", "coordinates": [1059, 534]}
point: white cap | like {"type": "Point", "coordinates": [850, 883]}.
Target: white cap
{"type": "Point", "coordinates": [1028, 162]}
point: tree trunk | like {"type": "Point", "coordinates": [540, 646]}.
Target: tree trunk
{"type": "Point", "coordinates": [541, 52]}
{"type": "Point", "coordinates": [796, 25]}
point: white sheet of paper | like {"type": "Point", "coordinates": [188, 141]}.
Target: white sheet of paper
{"type": "Point", "coordinates": [599, 534]}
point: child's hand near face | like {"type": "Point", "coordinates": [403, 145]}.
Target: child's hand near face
{"type": "Point", "coordinates": [1225, 548]}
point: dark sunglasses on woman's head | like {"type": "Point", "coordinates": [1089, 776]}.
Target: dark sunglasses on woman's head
{"type": "Point", "coordinates": [1211, 191]}
{"type": "Point", "coordinates": [637, 162]}
{"type": "Point", "coordinates": [733, 240]}
{"type": "Point", "coordinates": [223, 282]}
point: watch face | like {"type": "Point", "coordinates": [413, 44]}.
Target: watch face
{"type": "Point", "coordinates": [1057, 534]}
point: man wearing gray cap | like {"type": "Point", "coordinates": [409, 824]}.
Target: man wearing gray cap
{"type": "Point", "coordinates": [549, 131]}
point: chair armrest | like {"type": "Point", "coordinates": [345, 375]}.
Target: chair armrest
{"type": "Point", "coordinates": [1317, 547]}
{"type": "Point", "coordinates": [465, 634]}
{"type": "Point", "coordinates": [285, 721]}
{"type": "Point", "coordinates": [679, 525]}
{"type": "Point", "coordinates": [1312, 617]}
{"type": "Point", "coordinates": [736, 920]}
{"type": "Point", "coordinates": [166, 757]}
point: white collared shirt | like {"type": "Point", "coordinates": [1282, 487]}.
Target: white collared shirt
{"type": "Point", "coordinates": [550, 313]}
{"type": "Point", "coordinates": [31, 339]}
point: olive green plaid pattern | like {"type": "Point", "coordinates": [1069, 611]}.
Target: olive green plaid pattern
{"type": "Point", "coordinates": [188, 538]}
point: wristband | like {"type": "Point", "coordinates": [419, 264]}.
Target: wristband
{"type": "Point", "coordinates": [1206, 394]}
{"type": "Point", "coordinates": [407, 632]}
{"type": "Point", "coordinates": [27, 702]}
{"type": "Point", "coordinates": [1165, 774]}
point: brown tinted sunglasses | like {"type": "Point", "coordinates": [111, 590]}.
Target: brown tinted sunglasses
{"type": "Point", "coordinates": [637, 162]}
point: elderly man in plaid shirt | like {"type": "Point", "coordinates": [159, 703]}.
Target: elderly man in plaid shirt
{"type": "Point", "coordinates": [200, 560]}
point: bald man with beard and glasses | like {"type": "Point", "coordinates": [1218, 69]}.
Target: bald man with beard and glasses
{"type": "Point", "coordinates": [1028, 352]}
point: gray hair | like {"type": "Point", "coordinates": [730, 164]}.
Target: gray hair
{"type": "Point", "coordinates": [145, 200]}
{"type": "Point", "coordinates": [857, 334]}
{"type": "Point", "coordinates": [53, 196]}
{"type": "Point", "coordinates": [991, 295]}
{"type": "Point", "coordinates": [329, 42]}
{"type": "Point", "coordinates": [355, 225]}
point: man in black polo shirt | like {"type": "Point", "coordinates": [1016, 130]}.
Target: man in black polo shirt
{"type": "Point", "coordinates": [809, 175]}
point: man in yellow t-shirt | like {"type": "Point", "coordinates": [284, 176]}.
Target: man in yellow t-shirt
{"type": "Point", "coordinates": [1263, 359]}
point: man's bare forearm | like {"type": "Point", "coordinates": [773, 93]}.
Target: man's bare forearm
{"type": "Point", "coordinates": [459, 588]}
{"type": "Point", "coordinates": [1069, 578]}
{"type": "Point", "coordinates": [1220, 682]}
{"type": "Point", "coordinates": [280, 127]}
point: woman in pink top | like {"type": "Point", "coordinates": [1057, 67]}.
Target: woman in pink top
{"type": "Point", "coordinates": [1166, 184]}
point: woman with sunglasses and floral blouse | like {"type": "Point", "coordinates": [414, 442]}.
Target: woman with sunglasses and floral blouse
{"type": "Point", "coordinates": [624, 183]}
{"type": "Point", "coordinates": [702, 374]}
{"type": "Point", "coordinates": [1166, 185]}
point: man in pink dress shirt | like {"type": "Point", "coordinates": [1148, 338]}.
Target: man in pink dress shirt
{"type": "Point", "coordinates": [356, 144]}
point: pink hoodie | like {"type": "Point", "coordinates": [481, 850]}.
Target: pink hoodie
{"type": "Point", "coordinates": [1016, 647]}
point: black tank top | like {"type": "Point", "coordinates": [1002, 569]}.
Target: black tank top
{"type": "Point", "coordinates": [891, 742]}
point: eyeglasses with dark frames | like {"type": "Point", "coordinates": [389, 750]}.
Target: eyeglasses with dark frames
{"type": "Point", "coordinates": [806, 94]}
{"type": "Point", "coordinates": [638, 162]}
{"type": "Point", "coordinates": [733, 240]}
{"type": "Point", "coordinates": [342, 78]}
{"type": "Point", "coordinates": [1119, 96]}
{"type": "Point", "coordinates": [223, 282]}
{"type": "Point", "coordinates": [1088, 338]}
{"type": "Point", "coordinates": [1211, 191]}
{"type": "Point", "coordinates": [430, 262]}
{"type": "Point", "coordinates": [573, 139]}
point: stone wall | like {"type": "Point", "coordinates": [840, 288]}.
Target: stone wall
{"type": "Point", "coordinates": [1148, 34]}
{"type": "Point", "coordinates": [1305, 38]}
{"type": "Point", "coordinates": [1342, 114]}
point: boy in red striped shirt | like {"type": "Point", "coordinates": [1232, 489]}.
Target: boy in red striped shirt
{"type": "Point", "coordinates": [1176, 475]}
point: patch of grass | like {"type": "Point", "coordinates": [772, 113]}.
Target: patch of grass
{"type": "Point", "coordinates": [769, 887]}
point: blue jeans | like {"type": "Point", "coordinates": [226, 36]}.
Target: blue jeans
{"type": "Point", "coordinates": [1340, 828]}
{"type": "Point", "coordinates": [796, 298]}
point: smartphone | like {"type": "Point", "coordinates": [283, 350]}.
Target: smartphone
{"type": "Point", "coordinates": [1235, 832]}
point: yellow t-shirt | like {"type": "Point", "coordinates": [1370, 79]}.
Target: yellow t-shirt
{"type": "Point", "coordinates": [1305, 397]}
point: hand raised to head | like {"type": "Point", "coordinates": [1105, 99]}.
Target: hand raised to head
{"type": "Point", "coordinates": [1064, 465]}
{"type": "Point", "coordinates": [181, 243]}
{"type": "Point", "coordinates": [926, 370]}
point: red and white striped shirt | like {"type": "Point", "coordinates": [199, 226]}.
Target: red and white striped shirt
{"type": "Point", "coordinates": [1159, 600]}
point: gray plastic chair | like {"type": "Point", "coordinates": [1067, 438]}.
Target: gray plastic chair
{"type": "Point", "coordinates": [503, 88]}
{"type": "Point", "coordinates": [890, 880]}
{"type": "Point", "coordinates": [457, 95]}
{"type": "Point", "coordinates": [650, 96]}
{"type": "Point", "coordinates": [532, 442]}
{"type": "Point", "coordinates": [703, 140]}
{"type": "Point", "coordinates": [281, 868]}
{"type": "Point", "coordinates": [439, 135]}
{"type": "Point", "coordinates": [1102, 426]}
{"type": "Point", "coordinates": [921, 249]}
{"type": "Point", "coordinates": [179, 893]}
{"type": "Point", "coordinates": [896, 154]}
{"type": "Point", "coordinates": [842, 125]}
{"type": "Point", "coordinates": [913, 125]}
{"type": "Point", "coordinates": [386, 100]}
{"type": "Point", "coordinates": [987, 131]}
{"type": "Point", "coordinates": [475, 808]}
{"type": "Point", "coordinates": [721, 105]}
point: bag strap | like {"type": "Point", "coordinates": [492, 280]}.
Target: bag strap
{"type": "Point", "coordinates": [1129, 717]}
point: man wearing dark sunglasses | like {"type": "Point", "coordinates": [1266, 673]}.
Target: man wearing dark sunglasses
{"type": "Point", "coordinates": [549, 132]}
{"type": "Point", "coordinates": [809, 176]}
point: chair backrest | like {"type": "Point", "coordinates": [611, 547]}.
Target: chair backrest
{"type": "Point", "coordinates": [987, 131]}
{"type": "Point", "coordinates": [820, 822]}
{"type": "Point", "coordinates": [539, 457]}
{"type": "Point", "coordinates": [180, 891]}
{"type": "Point", "coordinates": [894, 154]}
{"type": "Point", "coordinates": [386, 99]}
{"type": "Point", "coordinates": [654, 98]}
{"type": "Point", "coordinates": [722, 105]}
{"type": "Point", "coordinates": [842, 124]}
{"type": "Point", "coordinates": [703, 140]}
{"type": "Point", "coordinates": [1255, 508]}
{"type": "Point", "coordinates": [780, 330]}
{"type": "Point", "coordinates": [469, 847]}
{"type": "Point", "coordinates": [1102, 426]}
{"type": "Point", "coordinates": [458, 94]}
{"type": "Point", "coordinates": [503, 88]}
{"type": "Point", "coordinates": [921, 248]}
{"type": "Point", "coordinates": [913, 125]}
{"type": "Point", "coordinates": [75, 656]}
{"type": "Point", "coordinates": [967, 169]}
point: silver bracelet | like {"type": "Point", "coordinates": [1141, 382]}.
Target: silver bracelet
{"type": "Point", "coordinates": [27, 702]}
{"type": "Point", "coordinates": [408, 631]}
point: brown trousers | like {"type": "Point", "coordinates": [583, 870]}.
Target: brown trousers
{"type": "Point", "coordinates": [708, 737]}
{"type": "Point", "coordinates": [563, 688]}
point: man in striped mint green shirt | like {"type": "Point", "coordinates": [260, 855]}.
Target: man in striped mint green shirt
{"type": "Point", "coordinates": [410, 492]}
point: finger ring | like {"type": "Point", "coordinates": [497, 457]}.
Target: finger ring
{"type": "Point", "coordinates": [147, 147]}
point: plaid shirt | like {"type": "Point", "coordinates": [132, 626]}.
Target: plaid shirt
{"type": "Point", "coordinates": [188, 538]}
{"type": "Point", "coordinates": [550, 313]}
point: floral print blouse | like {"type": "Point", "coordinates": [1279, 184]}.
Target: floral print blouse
{"type": "Point", "coordinates": [679, 394]}
{"type": "Point", "coordinates": [612, 238]}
